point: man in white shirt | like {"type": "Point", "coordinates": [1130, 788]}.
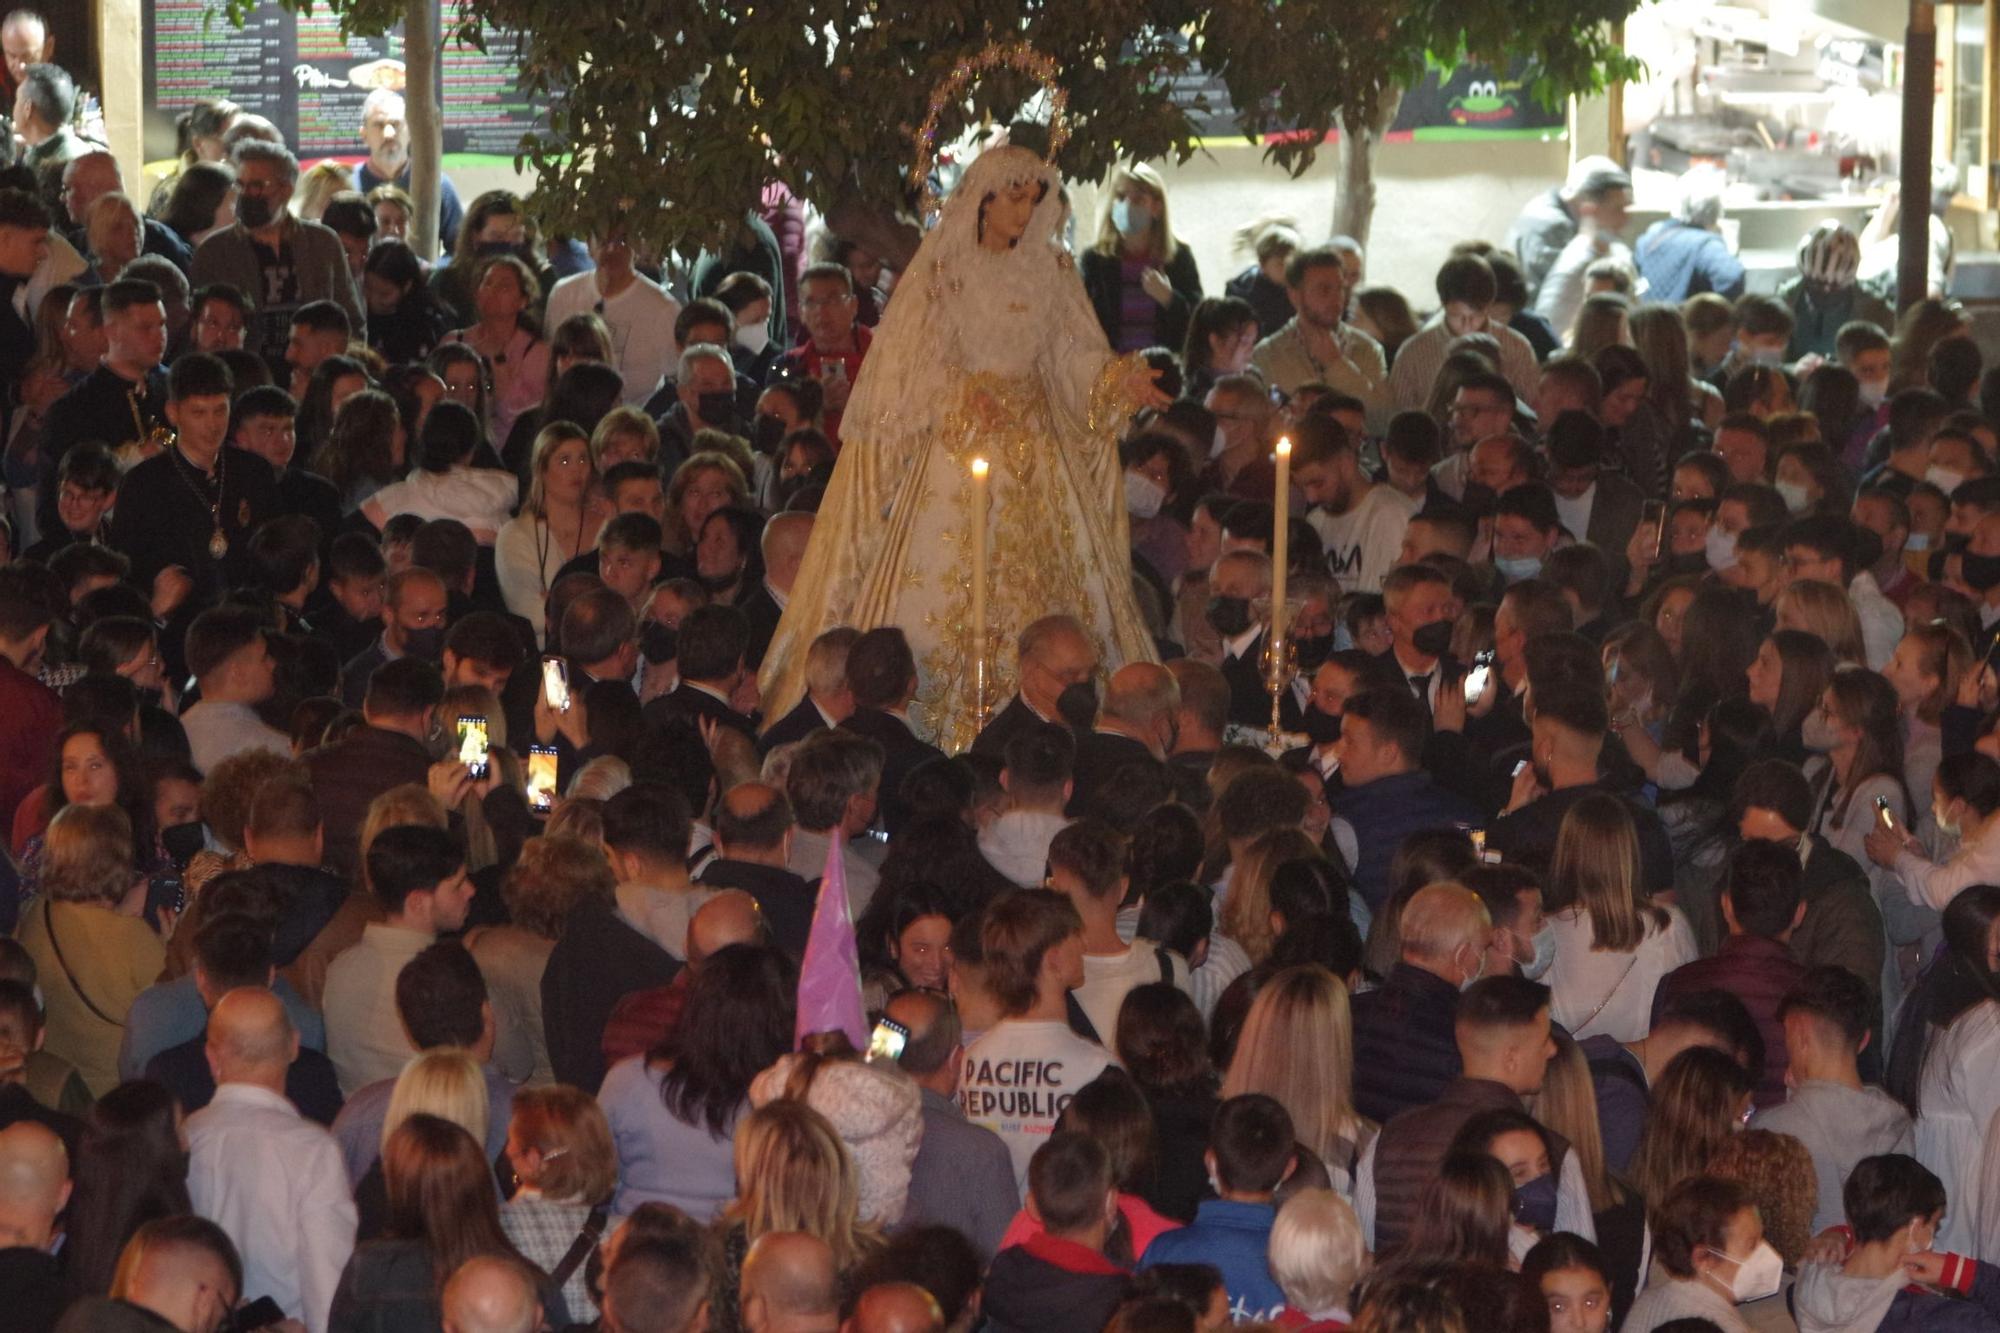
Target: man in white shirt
{"type": "Point", "coordinates": [638, 313]}
{"type": "Point", "coordinates": [1360, 523]}
{"type": "Point", "coordinates": [1019, 1075]}
{"type": "Point", "coordinates": [1038, 779]}
{"type": "Point", "coordinates": [262, 1172]}
{"type": "Point", "coordinates": [1466, 292]}
{"type": "Point", "coordinates": [231, 664]}
{"type": "Point", "coordinates": [1087, 866]}
{"type": "Point", "coordinates": [417, 874]}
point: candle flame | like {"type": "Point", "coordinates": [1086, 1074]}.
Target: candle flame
{"type": "Point", "coordinates": [1284, 446]}
{"type": "Point", "coordinates": [979, 467]}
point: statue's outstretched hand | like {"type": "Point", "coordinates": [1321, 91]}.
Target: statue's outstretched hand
{"type": "Point", "coordinates": [1143, 384]}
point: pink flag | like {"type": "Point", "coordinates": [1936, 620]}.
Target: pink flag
{"type": "Point", "coordinates": [830, 979]}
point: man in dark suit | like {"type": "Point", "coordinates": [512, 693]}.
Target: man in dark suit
{"type": "Point", "coordinates": [712, 643]}
{"type": "Point", "coordinates": [1054, 654]}
{"type": "Point", "coordinates": [829, 699]}
{"type": "Point", "coordinates": [1239, 580]}
{"type": "Point", "coordinates": [753, 833]}
{"type": "Point", "coordinates": [1595, 504]}
{"type": "Point", "coordinates": [784, 548]}
{"type": "Point", "coordinates": [1136, 726]}
{"type": "Point", "coordinates": [882, 676]}
{"type": "Point", "coordinates": [1198, 728]}
{"type": "Point", "coordinates": [1419, 602]}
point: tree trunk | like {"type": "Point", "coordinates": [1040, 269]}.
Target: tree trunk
{"type": "Point", "coordinates": [1354, 200]}
{"type": "Point", "coordinates": [420, 97]}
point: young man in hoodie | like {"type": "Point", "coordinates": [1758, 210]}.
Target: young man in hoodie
{"type": "Point", "coordinates": [1892, 1281]}
{"type": "Point", "coordinates": [1060, 1281]}
{"type": "Point", "coordinates": [1839, 1119]}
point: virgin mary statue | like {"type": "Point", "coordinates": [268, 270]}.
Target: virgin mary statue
{"type": "Point", "coordinates": [989, 350]}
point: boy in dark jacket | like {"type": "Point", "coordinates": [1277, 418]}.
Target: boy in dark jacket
{"type": "Point", "coordinates": [1060, 1281]}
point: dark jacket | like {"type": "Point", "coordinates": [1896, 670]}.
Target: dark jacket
{"type": "Point", "coordinates": [388, 1287]}
{"type": "Point", "coordinates": [1048, 1285]}
{"type": "Point", "coordinates": [99, 1314]}
{"type": "Point", "coordinates": [598, 961]}
{"type": "Point", "coordinates": [1529, 835]}
{"type": "Point", "coordinates": [1405, 1046]}
{"type": "Point", "coordinates": [1006, 724]}
{"type": "Point", "coordinates": [784, 899]}
{"type": "Point", "coordinates": [1386, 811]}
{"type": "Point", "coordinates": [348, 775]}
{"type": "Point", "coordinates": [31, 1283]}
{"type": "Point", "coordinates": [1103, 281]}
{"type": "Point", "coordinates": [1757, 971]}
{"type": "Point", "coordinates": [1178, 1180]}
{"type": "Point", "coordinates": [1099, 757]}
{"type": "Point", "coordinates": [761, 609]}
{"type": "Point", "coordinates": [104, 408]}
{"type": "Point", "coordinates": [162, 519]}
{"type": "Point", "coordinates": [183, 1070]}
{"type": "Point", "coordinates": [902, 753]}
{"type": "Point", "coordinates": [1678, 261]}
{"type": "Point", "coordinates": [1614, 517]}
{"type": "Point", "coordinates": [359, 670]}
{"type": "Point", "coordinates": [794, 726]}
{"type": "Point", "coordinates": [1271, 302]}
{"type": "Point", "coordinates": [1414, 1143]}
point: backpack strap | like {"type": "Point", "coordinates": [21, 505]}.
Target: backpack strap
{"type": "Point", "coordinates": [580, 1248]}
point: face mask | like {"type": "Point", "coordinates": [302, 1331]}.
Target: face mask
{"type": "Point", "coordinates": [1221, 442]}
{"type": "Point", "coordinates": [766, 433]}
{"type": "Point", "coordinates": [1980, 571]}
{"type": "Point", "coordinates": [1761, 356]}
{"type": "Point", "coordinates": [1535, 1203]}
{"type": "Point", "coordinates": [1077, 705]}
{"type": "Point", "coordinates": [1518, 567]}
{"type": "Point", "coordinates": [1874, 393]}
{"type": "Point", "coordinates": [718, 407]}
{"type": "Point", "coordinates": [1322, 728]}
{"type": "Point", "coordinates": [659, 643]}
{"type": "Point", "coordinates": [1795, 497]}
{"type": "Point", "coordinates": [254, 210]}
{"type": "Point", "coordinates": [1131, 219]}
{"type": "Point", "coordinates": [1229, 616]}
{"type": "Point", "coordinates": [1920, 1246]}
{"type": "Point", "coordinates": [1545, 953]}
{"type": "Point", "coordinates": [1720, 548]}
{"type": "Point", "coordinates": [1143, 495]}
{"type": "Point", "coordinates": [1433, 639]}
{"type": "Point", "coordinates": [1312, 650]}
{"type": "Point", "coordinates": [1943, 478]}
{"type": "Point", "coordinates": [424, 644]}
{"type": "Point", "coordinates": [1758, 1274]}
{"type": "Point", "coordinates": [754, 338]}
{"type": "Point", "coordinates": [1817, 733]}
{"type": "Point", "coordinates": [1473, 978]}
{"type": "Point", "coordinates": [1944, 826]}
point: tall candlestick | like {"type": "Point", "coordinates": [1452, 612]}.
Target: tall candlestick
{"type": "Point", "coordinates": [979, 589]}
{"type": "Point", "coordinates": [1281, 544]}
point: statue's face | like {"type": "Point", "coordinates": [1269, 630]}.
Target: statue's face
{"type": "Point", "coordinates": [1004, 215]}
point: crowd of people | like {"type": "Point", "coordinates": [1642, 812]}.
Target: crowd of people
{"type": "Point", "coordinates": [407, 896]}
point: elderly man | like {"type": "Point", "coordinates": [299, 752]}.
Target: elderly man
{"type": "Point", "coordinates": [279, 262]}
{"type": "Point", "coordinates": [784, 546]}
{"type": "Point", "coordinates": [387, 134]}
{"type": "Point", "coordinates": [790, 1285]}
{"type": "Point", "coordinates": [1056, 667]}
{"type": "Point", "coordinates": [44, 106]}
{"type": "Point", "coordinates": [1135, 726]}
{"type": "Point", "coordinates": [1317, 346]}
{"type": "Point", "coordinates": [26, 40]}
{"type": "Point", "coordinates": [704, 399]}
{"type": "Point", "coordinates": [90, 177]}
{"type": "Point", "coordinates": [1685, 254]}
{"type": "Point", "coordinates": [492, 1294]}
{"type": "Point", "coordinates": [1597, 192]}
{"type": "Point", "coordinates": [34, 1186]}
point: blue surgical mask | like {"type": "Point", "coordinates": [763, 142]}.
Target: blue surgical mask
{"type": "Point", "coordinates": [1131, 219]}
{"type": "Point", "coordinates": [1545, 953]}
{"type": "Point", "coordinates": [1918, 541]}
{"type": "Point", "coordinates": [1518, 567]}
{"type": "Point", "coordinates": [1720, 549]}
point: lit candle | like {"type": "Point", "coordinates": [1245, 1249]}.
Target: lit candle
{"type": "Point", "coordinates": [979, 588]}
{"type": "Point", "coordinates": [1281, 543]}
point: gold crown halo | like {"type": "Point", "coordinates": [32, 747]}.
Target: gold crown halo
{"type": "Point", "coordinates": [1016, 55]}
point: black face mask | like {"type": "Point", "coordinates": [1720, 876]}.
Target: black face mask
{"type": "Point", "coordinates": [1077, 705]}
{"type": "Point", "coordinates": [494, 249]}
{"type": "Point", "coordinates": [766, 433]}
{"type": "Point", "coordinates": [717, 408]}
{"type": "Point", "coordinates": [1322, 728]}
{"type": "Point", "coordinates": [659, 643]}
{"type": "Point", "coordinates": [1433, 639]}
{"type": "Point", "coordinates": [424, 644]}
{"type": "Point", "coordinates": [1981, 571]}
{"type": "Point", "coordinates": [1312, 650]}
{"type": "Point", "coordinates": [254, 210]}
{"type": "Point", "coordinates": [1229, 616]}
{"type": "Point", "coordinates": [182, 841]}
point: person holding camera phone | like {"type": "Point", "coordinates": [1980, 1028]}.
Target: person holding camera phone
{"type": "Point", "coordinates": [835, 341]}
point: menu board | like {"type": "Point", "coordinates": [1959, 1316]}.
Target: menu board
{"type": "Point", "coordinates": [1469, 102]}
{"type": "Point", "coordinates": [300, 73]}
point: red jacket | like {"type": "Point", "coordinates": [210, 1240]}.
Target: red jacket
{"type": "Point", "coordinates": [1757, 971]}
{"type": "Point", "coordinates": [30, 721]}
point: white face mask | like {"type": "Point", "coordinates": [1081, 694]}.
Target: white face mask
{"type": "Point", "coordinates": [753, 338]}
{"type": "Point", "coordinates": [1758, 1274]}
{"type": "Point", "coordinates": [1473, 977]}
{"type": "Point", "coordinates": [1545, 953]}
{"type": "Point", "coordinates": [1720, 549]}
{"type": "Point", "coordinates": [1943, 478]}
{"type": "Point", "coordinates": [1797, 501]}
{"type": "Point", "coordinates": [1221, 442]}
{"type": "Point", "coordinates": [1944, 826]}
{"type": "Point", "coordinates": [1143, 495]}
{"type": "Point", "coordinates": [1874, 393]}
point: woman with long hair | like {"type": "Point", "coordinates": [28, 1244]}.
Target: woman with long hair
{"type": "Point", "coordinates": [557, 523]}
{"type": "Point", "coordinates": [1612, 947]}
{"type": "Point", "coordinates": [364, 449]}
{"type": "Point", "coordinates": [1140, 277]}
{"type": "Point", "coordinates": [1465, 1213]}
{"type": "Point", "coordinates": [1787, 679]}
{"type": "Point", "coordinates": [1162, 1046]}
{"type": "Point", "coordinates": [703, 484]}
{"type": "Point", "coordinates": [466, 378]}
{"type": "Point", "coordinates": [1165, 848]}
{"type": "Point", "coordinates": [404, 323]}
{"type": "Point", "coordinates": [92, 765]}
{"type": "Point", "coordinates": [1633, 427]}
{"type": "Point", "coordinates": [445, 1082]}
{"type": "Point", "coordinates": [1567, 1105]}
{"type": "Point", "coordinates": [1659, 336]}
{"type": "Point", "coordinates": [1220, 336]}
{"type": "Point", "coordinates": [1965, 797]}
{"type": "Point", "coordinates": [1643, 683]}
{"type": "Point", "coordinates": [1270, 241]}
{"type": "Point", "coordinates": [1778, 1172]}
{"type": "Point", "coordinates": [580, 340]}
{"type": "Point", "coordinates": [446, 482]}
{"type": "Point", "coordinates": [1827, 611]}
{"type": "Point", "coordinates": [1919, 329]}
{"type": "Point", "coordinates": [1856, 736]}
{"type": "Point", "coordinates": [1961, 976]}
{"type": "Point", "coordinates": [203, 202]}
{"type": "Point", "coordinates": [729, 556]}
{"type": "Point", "coordinates": [130, 1168]}
{"type": "Point", "coordinates": [1812, 481]}
{"type": "Point", "coordinates": [1297, 1047]}
{"type": "Point", "coordinates": [1927, 669]}
{"type": "Point", "coordinates": [673, 1111]}
{"type": "Point", "coordinates": [1601, 321]}
{"type": "Point", "coordinates": [1384, 314]}
{"type": "Point", "coordinates": [1246, 913]}
{"type": "Point", "coordinates": [1718, 643]}
{"type": "Point", "coordinates": [443, 1210]}
{"type": "Point", "coordinates": [198, 137]}
{"type": "Point", "coordinates": [904, 941]}
{"type": "Point", "coordinates": [1702, 1098]}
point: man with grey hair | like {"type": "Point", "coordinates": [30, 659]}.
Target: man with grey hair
{"type": "Point", "coordinates": [784, 547]}
{"type": "Point", "coordinates": [44, 106]}
{"type": "Point", "coordinates": [829, 699]}
{"type": "Point", "coordinates": [279, 262]}
{"type": "Point", "coordinates": [1598, 190]}
{"type": "Point", "coordinates": [95, 174]}
{"type": "Point", "coordinates": [387, 133]}
{"type": "Point", "coordinates": [834, 783]}
{"type": "Point", "coordinates": [1056, 673]}
{"type": "Point", "coordinates": [1683, 255]}
{"type": "Point", "coordinates": [704, 399]}
{"type": "Point", "coordinates": [1135, 727]}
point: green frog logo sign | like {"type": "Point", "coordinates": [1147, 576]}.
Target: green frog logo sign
{"type": "Point", "coordinates": [1484, 102]}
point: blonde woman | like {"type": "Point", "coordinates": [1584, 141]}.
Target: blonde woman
{"type": "Point", "coordinates": [448, 1083]}
{"type": "Point", "coordinates": [1297, 1048]}
{"type": "Point", "coordinates": [1612, 947]}
{"type": "Point", "coordinates": [709, 480]}
{"type": "Point", "coordinates": [1826, 612]}
{"type": "Point", "coordinates": [559, 522]}
{"type": "Point", "coordinates": [1927, 669]}
{"type": "Point", "coordinates": [1246, 914]}
{"type": "Point", "coordinates": [317, 184]}
{"type": "Point", "coordinates": [1141, 280]}
{"type": "Point", "coordinates": [1567, 1105]}
{"type": "Point", "coordinates": [624, 435]}
{"type": "Point", "coordinates": [92, 948]}
{"type": "Point", "coordinates": [559, 1146]}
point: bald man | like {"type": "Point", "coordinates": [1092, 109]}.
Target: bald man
{"type": "Point", "coordinates": [753, 837]}
{"type": "Point", "coordinates": [34, 1186]}
{"type": "Point", "coordinates": [176, 1272]}
{"type": "Point", "coordinates": [87, 179]}
{"type": "Point", "coordinates": [1053, 655]}
{"type": "Point", "coordinates": [1135, 727]}
{"type": "Point", "coordinates": [895, 1307]}
{"type": "Point", "coordinates": [784, 547]}
{"type": "Point", "coordinates": [642, 1019]}
{"type": "Point", "coordinates": [789, 1285]}
{"type": "Point", "coordinates": [730, 917]}
{"type": "Point", "coordinates": [273, 1180]}
{"type": "Point", "coordinates": [490, 1294]}
{"type": "Point", "coordinates": [963, 1175]}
